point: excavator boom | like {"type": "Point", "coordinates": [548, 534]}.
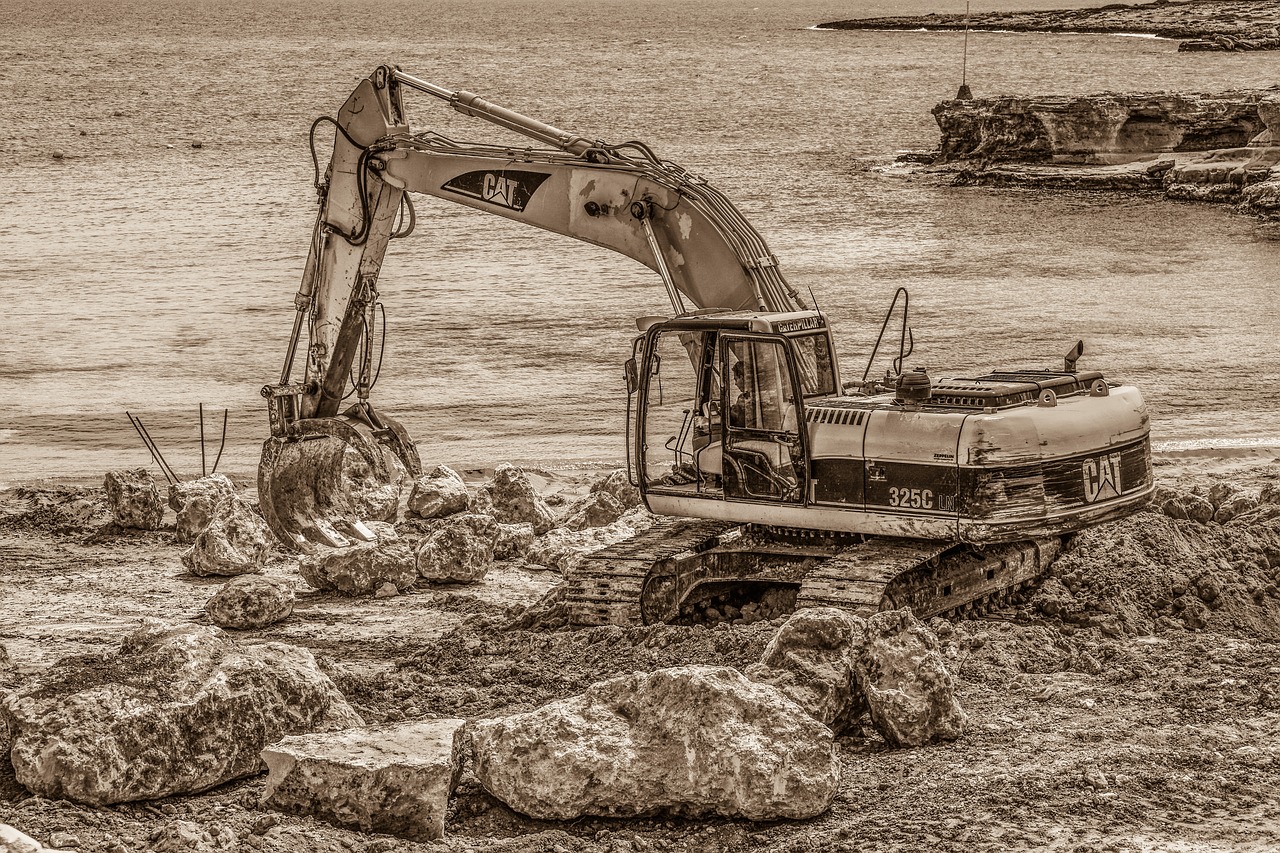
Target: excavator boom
{"type": "Point", "coordinates": [619, 196]}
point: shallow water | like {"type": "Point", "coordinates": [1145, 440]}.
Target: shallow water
{"type": "Point", "coordinates": [141, 274]}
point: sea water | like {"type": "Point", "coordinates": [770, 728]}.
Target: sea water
{"type": "Point", "coordinates": [142, 274]}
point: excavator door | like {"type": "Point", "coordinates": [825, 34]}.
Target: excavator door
{"type": "Point", "coordinates": [764, 453]}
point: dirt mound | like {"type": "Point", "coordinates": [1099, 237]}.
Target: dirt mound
{"type": "Point", "coordinates": [53, 509]}
{"type": "Point", "coordinates": [1152, 572]}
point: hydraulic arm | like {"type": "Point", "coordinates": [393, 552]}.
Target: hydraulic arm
{"type": "Point", "coordinates": [620, 196]}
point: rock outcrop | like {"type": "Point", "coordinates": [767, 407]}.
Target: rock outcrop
{"type": "Point", "coordinates": [176, 710]}
{"type": "Point", "coordinates": [909, 692]}
{"type": "Point", "coordinates": [1234, 25]}
{"type": "Point", "coordinates": [194, 500]}
{"type": "Point", "coordinates": [813, 660]}
{"type": "Point", "coordinates": [235, 542]}
{"type": "Point", "coordinates": [440, 493]}
{"type": "Point", "coordinates": [133, 499]}
{"type": "Point", "coordinates": [458, 550]}
{"type": "Point", "coordinates": [692, 740]}
{"type": "Point", "coordinates": [250, 601]}
{"type": "Point", "coordinates": [1198, 147]}
{"type": "Point", "coordinates": [395, 778]}
{"type": "Point", "coordinates": [361, 569]}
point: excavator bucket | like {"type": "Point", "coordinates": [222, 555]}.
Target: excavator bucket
{"type": "Point", "coordinates": [318, 487]}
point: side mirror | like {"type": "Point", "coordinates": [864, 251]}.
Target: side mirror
{"type": "Point", "coordinates": [632, 375]}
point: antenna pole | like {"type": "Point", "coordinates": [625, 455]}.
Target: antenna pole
{"type": "Point", "coordinates": [964, 94]}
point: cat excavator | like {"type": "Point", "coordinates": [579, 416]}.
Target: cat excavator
{"type": "Point", "coordinates": [776, 480]}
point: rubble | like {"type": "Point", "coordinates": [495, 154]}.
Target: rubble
{"type": "Point", "coordinates": [511, 499]}
{"type": "Point", "coordinates": [395, 778]}
{"type": "Point", "coordinates": [175, 710]}
{"type": "Point", "coordinates": [458, 550]}
{"type": "Point", "coordinates": [250, 601]}
{"type": "Point", "coordinates": [813, 661]}
{"type": "Point", "coordinates": [691, 740]}
{"type": "Point", "coordinates": [909, 692]}
{"type": "Point", "coordinates": [361, 569]}
{"type": "Point", "coordinates": [235, 542]}
{"type": "Point", "coordinates": [437, 494]}
{"type": "Point", "coordinates": [133, 499]}
{"type": "Point", "coordinates": [194, 500]}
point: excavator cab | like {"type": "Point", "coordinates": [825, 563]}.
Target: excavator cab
{"type": "Point", "coordinates": [719, 402]}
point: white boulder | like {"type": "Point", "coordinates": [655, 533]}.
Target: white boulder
{"type": "Point", "coordinates": [691, 740]}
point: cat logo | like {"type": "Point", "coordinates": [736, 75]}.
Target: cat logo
{"type": "Point", "coordinates": [1102, 478]}
{"type": "Point", "coordinates": [507, 188]}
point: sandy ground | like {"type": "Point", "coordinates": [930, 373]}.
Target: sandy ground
{"type": "Point", "coordinates": [1143, 714]}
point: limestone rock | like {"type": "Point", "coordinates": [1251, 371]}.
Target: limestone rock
{"type": "Point", "coordinates": [250, 601]}
{"type": "Point", "coordinates": [813, 661]}
{"type": "Point", "coordinates": [561, 547]}
{"type": "Point", "coordinates": [597, 509]}
{"type": "Point", "coordinates": [176, 710]}
{"type": "Point", "coordinates": [617, 485]}
{"type": "Point", "coordinates": [194, 500]}
{"type": "Point", "coordinates": [13, 841]}
{"type": "Point", "coordinates": [514, 500]}
{"type": "Point", "coordinates": [513, 542]}
{"type": "Point", "coordinates": [394, 778]}
{"type": "Point", "coordinates": [438, 494]}
{"type": "Point", "coordinates": [909, 692]}
{"type": "Point", "coordinates": [459, 549]}
{"type": "Point", "coordinates": [692, 740]}
{"type": "Point", "coordinates": [235, 542]}
{"type": "Point", "coordinates": [133, 499]}
{"type": "Point", "coordinates": [362, 568]}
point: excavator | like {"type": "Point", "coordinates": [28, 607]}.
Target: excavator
{"type": "Point", "coordinates": [776, 480]}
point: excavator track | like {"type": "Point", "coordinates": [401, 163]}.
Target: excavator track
{"type": "Point", "coordinates": [650, 579]}
{"type": "Point", "coordinates": [605, 589]}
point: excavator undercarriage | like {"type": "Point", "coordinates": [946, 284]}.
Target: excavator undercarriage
{"type": "Point", "coordinates": [682, 571]}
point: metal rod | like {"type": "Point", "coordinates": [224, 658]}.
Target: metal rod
{"type": "Point", "coordinates": [151, 448]}
{"type": "Point", "coordinates": [223, 443]}
{"type": "Point", "coordinates": [964, 62]}
{"type": "Point", "coordinates": [203, 472]}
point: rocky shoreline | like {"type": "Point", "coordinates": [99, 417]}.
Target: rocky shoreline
{"type": "Point", "coordinates": [1201, 25]}
{"type": "Point", "coordinates": [1220, 147]}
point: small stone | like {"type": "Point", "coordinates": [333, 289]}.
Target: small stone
{"type": "Point", "coordinates": [387, 590]}
{"type": "Point", "coordinates": [909, 691]}
{"type": "Point", "coordinates": [513, 541]}
{"type": "Point", "coordinates": [235, 543]}
{"type": "Point", "coordinates": [194, 500]}
{"type": "Point", "coordinates": [1096, 778]}
{"type": "Point", "coordinates": [63, 840]}
{"type": "Point", "coordinates": [361, 569]}
{"type": "Point", "coordinates": [250, 601]}
{"type": "Point", "coordinates": [133, 499]}
{"type": "Point", "coordinates": [813, 660]}
{"type": "Point", "coordinates": [440, 493]}
{"type": "Point", "coordinates": [458, 550]}
{"type": "Point", "coordinates": [514, 499]}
